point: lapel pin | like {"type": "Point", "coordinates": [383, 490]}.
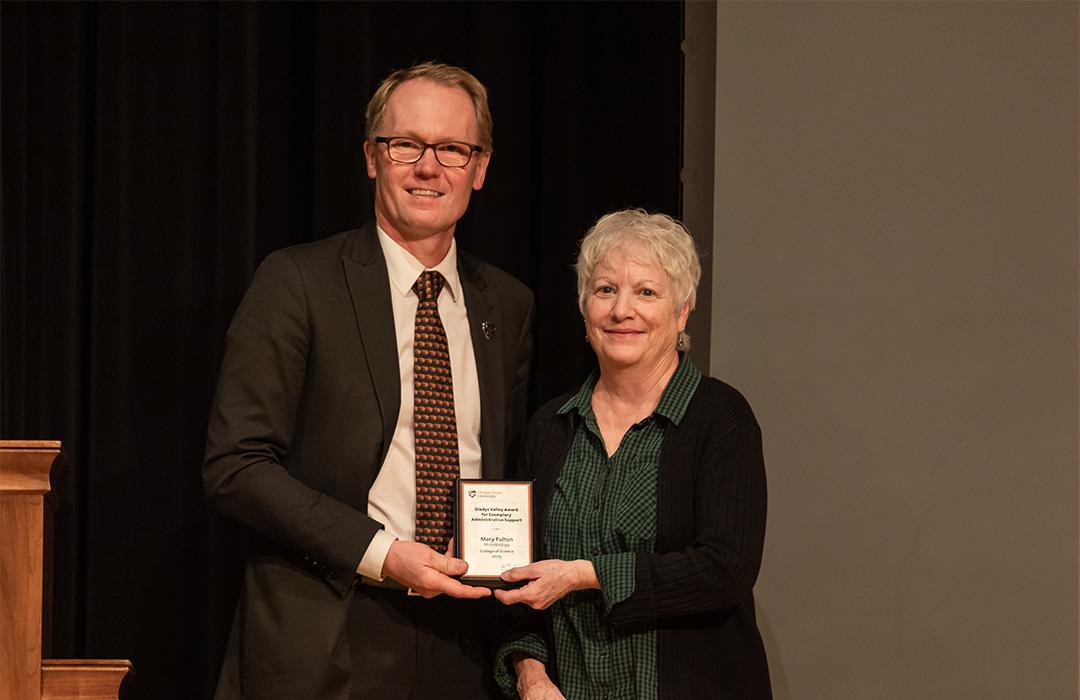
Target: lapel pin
{"type": "Point", "coordinates": [488, 328]}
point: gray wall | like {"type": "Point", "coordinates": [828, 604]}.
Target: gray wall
{"type": "Point", "coordinates": [895, 289]}
{"type": "Point", "coordinates": [699, 133]}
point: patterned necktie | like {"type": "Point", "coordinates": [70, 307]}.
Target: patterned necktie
{"type": "Point", "coordinates": [434, 424]}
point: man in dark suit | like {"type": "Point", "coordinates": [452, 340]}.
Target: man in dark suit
{"type": "Point", "coordinates": [311, 439]}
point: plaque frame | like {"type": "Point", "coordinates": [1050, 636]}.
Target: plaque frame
{"type": "Point", "coordinates": [490, 579]}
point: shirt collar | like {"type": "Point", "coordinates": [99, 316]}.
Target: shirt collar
{"type": "Point", "coordinates": [582, 400]}
{"type": "Point", "coordinates": [403, 268]}
{"type": "Point", "coordinates": [681, 387]}
{"type": "Point", "coordinates": [673, 401]}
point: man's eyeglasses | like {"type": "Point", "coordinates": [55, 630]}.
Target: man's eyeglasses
{"type": "Point", "coordinates": [452, 154]}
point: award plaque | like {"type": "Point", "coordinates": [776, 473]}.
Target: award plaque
{"type": "Point", "coordinates": [493, 528]}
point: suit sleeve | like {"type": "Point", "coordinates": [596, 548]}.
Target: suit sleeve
{"type": "Point", "coordinates": [719, 566]}
{"type": "Point", "coordinates": [253, 426]}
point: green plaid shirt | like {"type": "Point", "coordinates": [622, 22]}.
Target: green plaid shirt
{"type": "Point", "coordinates": [604, 510]}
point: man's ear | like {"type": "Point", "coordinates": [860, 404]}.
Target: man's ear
{"type": "Point", "coordinates": [481, 170]}
{"type": "Point", "coordinates": [370, 154]}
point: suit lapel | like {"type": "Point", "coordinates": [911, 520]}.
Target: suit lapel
{"type": "Point", "coordinates": [485, 324]}
{"type": "Point", "coordinates": [365, 273]}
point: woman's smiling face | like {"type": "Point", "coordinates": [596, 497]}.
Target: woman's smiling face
{"type": "Point", "coordinates": [630, 310]}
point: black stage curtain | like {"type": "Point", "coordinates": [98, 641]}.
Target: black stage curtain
{"type": "Point", "coordinates": [153, 154]}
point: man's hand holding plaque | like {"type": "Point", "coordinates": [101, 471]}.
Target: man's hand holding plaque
{"type": "Point", "coordinates": [493, 529]}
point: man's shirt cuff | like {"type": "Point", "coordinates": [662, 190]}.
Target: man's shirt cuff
{"type": "Point", "coordinates": [372, 563]}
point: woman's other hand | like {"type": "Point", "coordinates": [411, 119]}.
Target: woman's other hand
{"type": "Point", "coordinates": [548, 581]}
{"type": "Point", "coordinates": [533, 682]}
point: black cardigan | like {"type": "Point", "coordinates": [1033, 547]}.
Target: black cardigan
{"type": "Point", "coordinates": [696, 590]}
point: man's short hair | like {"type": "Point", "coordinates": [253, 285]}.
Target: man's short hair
{"type": "Point", "coordinates": [450, 76]}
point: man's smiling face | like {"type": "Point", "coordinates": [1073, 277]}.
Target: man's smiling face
{"type": "Point", "coordinates": [422, 200]}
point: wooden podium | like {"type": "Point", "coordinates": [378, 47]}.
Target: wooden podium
{"type": "Point", "coordinates": [24, 675]}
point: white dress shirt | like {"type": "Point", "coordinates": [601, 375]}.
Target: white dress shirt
{"type": "Point", "coordinates": [392, 498]}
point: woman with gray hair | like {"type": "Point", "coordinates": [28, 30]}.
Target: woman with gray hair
{"type": "Point", "coordinates": [650, 486]}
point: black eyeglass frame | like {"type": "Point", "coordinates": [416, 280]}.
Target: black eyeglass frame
{"type": "Point", "coordinates": [385, 140]}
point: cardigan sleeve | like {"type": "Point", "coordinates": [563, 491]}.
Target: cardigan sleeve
{"type": "Point", "coordinates": [711, 515]}
{"type": "Point", "coordinates": [522, 629]}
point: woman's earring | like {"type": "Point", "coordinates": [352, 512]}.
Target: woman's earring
{"type": "Point", "coordinates": [680, 341]}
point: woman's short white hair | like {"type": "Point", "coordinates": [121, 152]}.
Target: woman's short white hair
{"type": "Point", "coordinates": [665, 239]}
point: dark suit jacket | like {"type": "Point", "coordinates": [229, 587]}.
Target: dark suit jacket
{"type": "Point", "coordinates": [305, 409]}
